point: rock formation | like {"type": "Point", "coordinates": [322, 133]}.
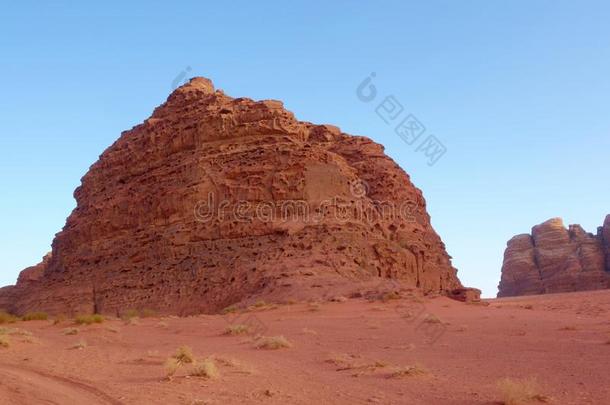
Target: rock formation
{"type": "Point", "coordinates": [554, 259]}
{"type": "Point", "coordinates": [214, 199]}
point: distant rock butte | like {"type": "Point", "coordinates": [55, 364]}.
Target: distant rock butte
{"type": "Point", "coordinates": [554, 259]}
{"type": "Point", "coordinates": [214, 200]}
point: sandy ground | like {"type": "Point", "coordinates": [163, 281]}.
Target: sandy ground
{"type": "Point", "coordinates": [342, 353]}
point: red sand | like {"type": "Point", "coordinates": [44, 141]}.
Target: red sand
{"type": "Point", "coordinates": [562, 340]}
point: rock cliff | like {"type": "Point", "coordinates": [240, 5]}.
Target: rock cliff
{"type": "Point", "coordinates": [555, 259]}
{"type": "Point", "coordinates": [215, 199]}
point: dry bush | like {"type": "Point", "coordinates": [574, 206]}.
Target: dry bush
{"type": "Point", "coordinates": [5, 317]}
{"type": "Point", "coordinates": [70, 331]}
{"type": "Point", "coordinates": [309, 331]}
{"type": "Point", "coordinates": [89, 319]}
{"type": "Point", "coordinates": [314, 306]}
{"type": "Point", "coordinates": [431, 318]}
{"type": "Point", "coordinates": [230, 309]}
{"type": "Point", "coordinates": [81, 344]}
{"type": "Point", "coordinates": [568, 328]}
{"type": "Point", "coordinates": [408, 371]}
{"type": "Point", "coordinates": [171, 367]}
{"type": "Point", "coordinates": [388, 296]}
{"type": "Point", "coordinates": [205, 368]}
{"type": "Point", "coordinates": [4, 341]}
{"type": "Point", "coordinates": [162, 324]}
{"type": "Point", "coordinates": [520, 392]}
{"type": "Point", "coordinates": [35, 316]}
{"type": "Point", "coordinates": [528, 306]}
{"type": "Point", "coordinates": [272, 342]}
{"type": "Point", "coordinates": [129, 314]}
{"type": "Point", "coordinates": [113, 329]}
{"type": "Point", "coordinates": [59, 319]}
{"type": "Point", "coordinates": [148, 313]}
{"type": "Point", "coordinates": [339, 298]}
{"type": "Point", "coordinates": [184, 355]}
{"type": "Point", "coordinates": [237, 329]}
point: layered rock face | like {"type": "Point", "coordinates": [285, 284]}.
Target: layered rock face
{"type": "Point", "coordinates": [554, 259]}
{"type": "Point", "coordinates": [216, 199]}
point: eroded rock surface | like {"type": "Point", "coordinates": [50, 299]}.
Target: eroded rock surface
{"type": "Point", "coordinates": [555, 259]}
{"type": "Point", "coordinates": [214, 199]}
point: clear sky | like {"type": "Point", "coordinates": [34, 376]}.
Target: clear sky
{"type": "Point", "coordinates": [518, 92]}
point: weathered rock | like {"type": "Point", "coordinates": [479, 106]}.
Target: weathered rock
{"type": "Point", "coordinates": [213, 200]}
{"type": "Point", "coordinates": [555, 259]}
{"type": "Point", "coordinates": [466, 294]}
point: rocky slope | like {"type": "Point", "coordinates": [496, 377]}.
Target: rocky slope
{"type": "Point", "coordinates": [214, 199]}
{"type": "Point", "coordinates": [555, 259]}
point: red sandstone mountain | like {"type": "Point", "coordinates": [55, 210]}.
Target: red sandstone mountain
{"type": "Point", "coordinates": [555, 259]}
{"type": "Point", "coordinates": [214, 199]}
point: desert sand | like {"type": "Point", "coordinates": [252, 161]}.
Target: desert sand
{"type": "Point", "coordinates": [399, 350]}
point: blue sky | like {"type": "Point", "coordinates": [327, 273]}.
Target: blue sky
{"type": "Point", "coordinates": [517, 92]}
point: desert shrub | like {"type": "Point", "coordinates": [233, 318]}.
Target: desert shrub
{"type": "Point", "coordinates": [431, 318]}
{"type": "Point", "coordinates": [129, 314]}
{"type": "Point", "coordinates": [237, 329]}
{"type": "Point", "coordinates": [148, 313]}
{"type": "Point", "coordinates": [5, 317]}
{"type": "Point", "coordinates": [408, 371]}
{"type": "Point", "coordinates": [59, 319]}
{"type": "Point", "coordinates": [89, 319]}
{"type": "Point", "coordinates": [81, 344]}
{"type": "Point", "coordinates": [520, 392]}
{"type": "Point", "coordinates": [392, 295]}
{"type": "Point", "coordinates": [4, 341]}
{"type": "Point", "coordinates": [230, 309]}
{"type": "Point", "coordinates": [70, 331]}
{"type": "Point", "coordinates": [184, 355]}
{"type": "Point", "coordinates": [272, 342]}
{"type": "Point", "coordinates": [35, 316]}
{"type": "Point", "coordinates": [205, 368]}
{"type": "Point", "coordinates": [171, 367]}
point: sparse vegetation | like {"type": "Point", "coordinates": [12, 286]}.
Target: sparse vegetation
{"type": "Point", "coordinates": [81, 344]}
{"type": "Point", "coordinates": [148, 313]}
{"type": "Point", "coordinates": [520, 392]}
{"type": "Point", "coordinates": [35, 316]}
{"type": "Point", "coordinates": [431, 318]}
{"type": "Point", "coordinates": [205, 368]}
{"type": "Point", "coordinates": [129, 314]}
{"type": "Point", "coordinates": [184, 355]}
{"type": "Point", "coordinates": [260, 304]}
{"type": "Point", "coordinates": [388, 296]}
{"type": "Point", "coordinates": [568, 328]}
{"type": "Point", "coordinates": [230, 309]}
{"type": "Point", "coordinates": [528, 306]}
{"type": "Point", "coordinates": [314, 306]}
{"type": "Point", "coordinates": [162, 324]}
{"type": "Point", "coordinates": [89, 319]}
{"type": "Point", "coordinates": [171, 367]}
{"type": "Point", "coordinates": [4, 341]}
{"type": "Point", "coordinates": [272, 342]}
{"type": "Point", "coordinates": [408, 371]}
{"type": "Point", "coordinates": [70, 331]}
{"type": "Point", "coordinates": [309, 331]}
{"type": "Point", "coordinates": [5, 317]}
{"type": "Point", "coordinates": [59, 319]}
{"type": "Point", "coordinates": [237, 329]}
